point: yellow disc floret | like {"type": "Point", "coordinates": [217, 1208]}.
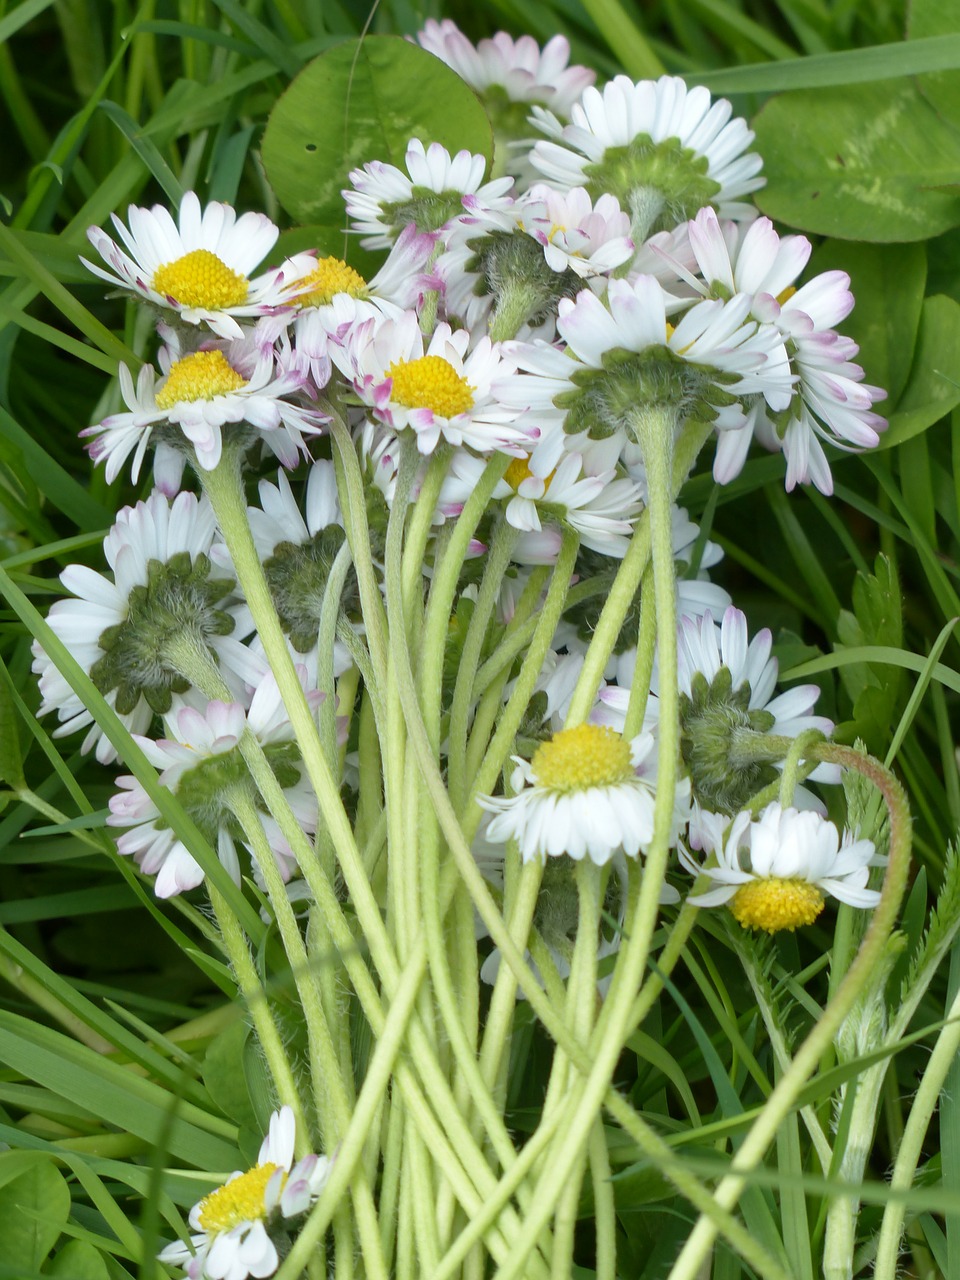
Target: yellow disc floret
{"type": "Point", "coordinates": [430, 383]}
{"type": "Point", "coordinates": [517, 472]}
{"type": "Point", "coordinates": [774, 904]}
{"type": "Point", "coordinates": [330, 277]}
{"type": "Point", "coordinates": [204, 375]}
{"type": "Point", "coordinates": [240, 1200]}
{"type": "Point", "coordinates": [201, 279]}
{"type": "Point", "coordinates": [591, 755]}
{"type": "Point", "coordinates": [787, 294]}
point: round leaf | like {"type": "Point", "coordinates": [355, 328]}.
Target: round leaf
{"type": "Point", "coordinates": [869, 162]}
{"type": "Point", "coordinates": [364, 100]}
{"type": "Point", "coordinates": [34, 1208]}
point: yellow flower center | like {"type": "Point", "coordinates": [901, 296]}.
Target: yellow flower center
{"type": "Point", "coordinates": [240, 1200]}
{"type": "Point", "coordinates": [201, 279]}
{"type": "Point", "coordinates": [591, 755]}
{"type": "Point", "coordinates": [201, 376]}
{"type": "Point", "coordinates": [519, 470]}
{"type": "Point", "coordinates": [776, 904]}
{"type": "Point", "coordinates": [330, 277]}
{"type": "Point", "coordinates": [430, 383]}
{"type": "Point", "coordinates": [787, 294]}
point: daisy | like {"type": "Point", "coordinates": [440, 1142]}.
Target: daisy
{"type": "Point", "coordinates": [662, 149]}
{"type": "Point", "coordinates": [587, 791]}
{"type": "Point", "coordinates": [165, 599]}
{"type": "Point", "coordinates": [520, 258]}
{"type": "Point", "coordinates": [829, 400]}
{"type": "Point", "coordinates": [384, 199]}
{"type": "Point", "coordinates": [621, 353]}
{"type": "Point", "coordinates": [727, 696]}
{"type": "Point", "coordinates": [197, 266]}
{"type": "Point", "coordinates": [438, 392]}
{"type": "Point", "coordinates": [232, 1224]}
{"type": "Point", "coordinates": [202, 765]}
{"type": "Point", "coordinates": [237, 384]}
{"type": "Point", "coordinates": [774, 871]}
{"type": "Point", "coordinates": [523, 71]}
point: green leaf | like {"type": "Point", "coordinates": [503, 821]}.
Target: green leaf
{"type": "Point", "coordinates": [877, 619]}
{"type": "Point", "coordinates": [871, 163]}
{"type": "Point", "coordinates": [11, 757]}
{"type": "Point", "coordinates": [224, 1077]}
{"type": "Point", "coordinates": [935, 19]}
{"type": "Point", "coordinates": [34, 1208]}
{"type": "Point", "coordinates": [363, 100]}
{"type": "Point", "coordinates": [933, 388]}
{"type": "Point", "coordinates": [78, 1260]}
{"type": "Point", "coordinates": [888, 283]}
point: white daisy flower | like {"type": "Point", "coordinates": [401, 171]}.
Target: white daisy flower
{"type": "Point", "coordinates": [519, 258]}
{"type": "Point", "coordinates": [774, 871]}
{"type": "Point", "coordinates": [384, 199]}
{"type": "Point", "coordinates": [201, 763]}
{"type": "Point", "coordinates": [232, 1224]}
{"type": "Point", "coordinates": [662, 149]}
{"type": "Point", "coordinates": [438, 392]}
{"type": "Point", "coordinates": [197, 266]}
{"type": "Point", "coordinates": [727, 688]}
{"type": "Point", "coordinates": [586, 792]}
{"type": "Point", "coordinates": [126, 629]}
{"type": "Point", "coordinates": [525, 72]}
{"type": "Point", "coordinates": [714, 356]}
{"type": "Point", "coordinates": [197, 395]}
{"type": "Point", "coordinates": [829, 399]}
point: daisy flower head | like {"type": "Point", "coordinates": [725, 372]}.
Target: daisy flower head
{"type": "Point", "coordinates": [622, 358]}
{"type": "Point", "coordinates": [236, 385]}
{"type": "Point", "coordinates": [440, 391]}
{"type": "Point", "coordinates": [518, 259]}
{"type": "Point", "coordinates": [383, 199]}
{"type": "Point", "coordinates": [774, 872]}
{"type": "Point", "coordinates": [202, 764]}
{"type": "Point", "coordinates": [520, 69]}
{"type": "Point", "coordinates": [664, 150]}
{"type": "Point", "coordinates": [136, 630]}
{"type": "Point", "coordinates": [232, 1225]}
{"type": "Point", "coordinates": [586, 792]}
{"type": "Point", "coordinates": [728, 698]}
{"type": "Point", "coordinates": [829, 400]}
{"type": "Point", "coordinates": [198, 266]}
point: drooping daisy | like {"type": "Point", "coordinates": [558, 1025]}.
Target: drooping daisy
{"type": "Point", "coordinates": [202, 765]}
{"type": "Point", "coordinates": [384, 199]}
{"type": "Point", "coordinates": [197, 266]}
{"type": "Point", "coordinates": [137, 631]}
{"type": "Point", "coordinates": [233, 1224]}
{"type": "Point", "coordinates": [518, 259]}
{"type": "Point", "coordinates": [727, 699]}
{"type": "Point", "coordinates": [238, 385]}
{"type": "Point", "coordinates": [664, 150]}
{"type": "Point", "coordinates": [586, 792]}
{"type": "Point", "coordinates": [830, 400]}
{"type": "Point", "coordinates": [438, 392]}
{"type": "Point", "coordinates": [775, 871]}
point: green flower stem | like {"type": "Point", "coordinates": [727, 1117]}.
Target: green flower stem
{"type": "Point", "coordinates": [331, 1095]}
{"type": "Point", "coordinates": [498, 558]}
{"type": "Point", "coordinates": [512, 715]}
{"type": "Point", "coordinates": [924, 1104]}
{"type": "Point", "coordinates": [857, 977]}
{"type": "Point", "coordinates": [503, 1002]}
{"type": "Point", "coordinates": [350, 486]}
{"type": "Point", "coordinates": [255, 999]}
{"type": "Point", "coordinates": [655, 429]}
{"type": "Point", "coordinates": [390, 1178]}
{"type": "Point", "coordinates": [646, 652]}
{"type": "Point", "coordinates": [329, 617]}
{"type": "Point", "coordinates": [604, 1204]}
{"type": "Point", "coordinates": [792, 763]}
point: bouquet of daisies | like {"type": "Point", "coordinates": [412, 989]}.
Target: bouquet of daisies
{"type": "Point", "coordinates": [424, 660]}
